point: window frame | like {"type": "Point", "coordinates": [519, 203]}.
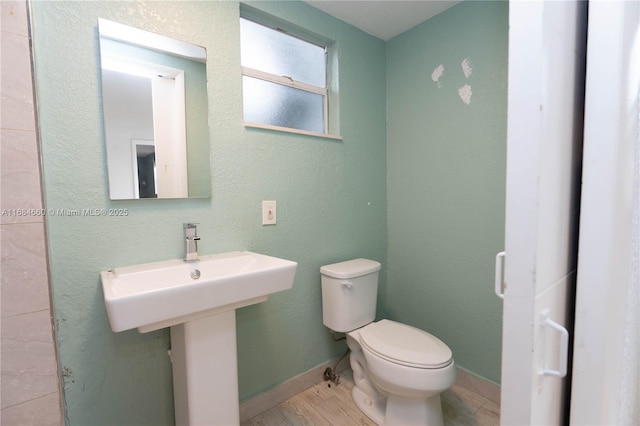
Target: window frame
{"type": "Point", "coordinates": [290, 82]}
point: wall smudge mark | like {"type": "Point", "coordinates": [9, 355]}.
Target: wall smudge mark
{"type": "Point", "coordinates": [436, 74]}
{"type": "Point", "coordinates": [67, 377]}
{"type": "Point", "coordinates": [467, 68]}
{"type": "Point", "coordinates": [465, 94]}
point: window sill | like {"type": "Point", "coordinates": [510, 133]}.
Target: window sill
{"type": "Point", "coordinates": [289, 130]}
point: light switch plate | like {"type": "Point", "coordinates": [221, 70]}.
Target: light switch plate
{"type": "Point", "coordinates": [268, 212]}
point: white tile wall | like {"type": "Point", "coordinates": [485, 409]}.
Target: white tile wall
{"type": "Point", "coordinates": [29, 382]}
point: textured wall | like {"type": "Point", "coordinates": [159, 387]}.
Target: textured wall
{"type": "Point", "coordinates": [331, 202]}
{"type": "Point", "coordinates": [446, 137]}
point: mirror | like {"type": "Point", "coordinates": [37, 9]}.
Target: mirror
{"type": "Point", "coordinates": [154, 97]}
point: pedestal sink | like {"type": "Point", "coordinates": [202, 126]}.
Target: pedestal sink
{"type": "Point", "coordinates": [198, 301]}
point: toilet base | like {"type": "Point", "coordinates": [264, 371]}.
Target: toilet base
{"type": "Point", "coordinates": [414, 412]}
{"type": "Point", "coordinates": [395, 411]}
{"type": "Point", "coordinates": [374, 410]}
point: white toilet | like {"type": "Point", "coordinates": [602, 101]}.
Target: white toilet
{"type": "Point", "coordinates": [399, 371]}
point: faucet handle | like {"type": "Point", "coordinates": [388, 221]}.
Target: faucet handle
{"type": "Point", "coordinates": [191, 240]}
{"type": "Point", "coordinates": [191, 231]}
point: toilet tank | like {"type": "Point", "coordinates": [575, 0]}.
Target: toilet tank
{"type": "Point", "coordinates": [349, 294]}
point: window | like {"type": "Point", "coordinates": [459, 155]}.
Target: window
{"type": "Point", "coordinates": [284, 80]}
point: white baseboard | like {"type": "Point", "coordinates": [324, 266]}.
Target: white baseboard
{"type": "Point", "coordinates": [277, 395]}
{"type": "Point", "coordinates": [479, 385]}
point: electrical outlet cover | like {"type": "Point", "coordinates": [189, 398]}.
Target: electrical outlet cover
{"type": "Point", "coordinates": [269, 212]}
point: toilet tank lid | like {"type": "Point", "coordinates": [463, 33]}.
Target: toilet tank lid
{"type": "Point", "coordinates": [350, 268]}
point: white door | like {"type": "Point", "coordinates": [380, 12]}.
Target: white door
{"type": "Point", "coordinates": [546, 77]}
{"type": "Point", "coordinates": [606, 358]}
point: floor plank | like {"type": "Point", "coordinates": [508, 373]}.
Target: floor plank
{"type": "Point", "coordinates": [270, 417]}
{"type": "Point", "coordinates": [298, 412]}
{"type": "Point", "coordinates": [332, 410]}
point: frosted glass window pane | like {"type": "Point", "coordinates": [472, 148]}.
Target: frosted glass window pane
{"type": "Point", "coordinates": [268, 50]}
{"type": "Point", "coordinates": [278, 105]}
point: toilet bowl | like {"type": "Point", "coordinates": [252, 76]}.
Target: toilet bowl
{"type": "Point", "coordinates": [399, 371]}
{"type": "Point", "coordinates": [408, 367]}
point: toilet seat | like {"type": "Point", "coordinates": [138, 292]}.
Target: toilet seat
{"type": "Point", "coordinates": [405, 345]}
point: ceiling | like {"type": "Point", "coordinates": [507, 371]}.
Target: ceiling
{"type": "Point", "coordinates": [383, 19]}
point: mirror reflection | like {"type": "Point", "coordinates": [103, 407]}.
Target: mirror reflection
{"type": "Point", "coordinates": [154, 96]}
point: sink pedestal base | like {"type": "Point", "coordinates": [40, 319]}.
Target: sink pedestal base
{"type": "Point", "coordinates": [205, 371]}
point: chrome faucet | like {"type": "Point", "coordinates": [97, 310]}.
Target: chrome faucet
{"type": "Point", "coordinates": [191, 241]}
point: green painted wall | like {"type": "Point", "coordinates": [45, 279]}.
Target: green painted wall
{"type": "Point", "coordinates": [331, 202]}
{"type": "Point", "coordinates": [446, 180]}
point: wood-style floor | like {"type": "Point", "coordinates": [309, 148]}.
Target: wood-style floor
{"type": "Point", "coordinates": [324, 405]}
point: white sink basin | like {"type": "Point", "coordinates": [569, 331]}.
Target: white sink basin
{"type": "Point", "coordinates": [162, 294]}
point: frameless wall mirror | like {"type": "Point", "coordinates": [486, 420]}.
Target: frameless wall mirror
{"type": "Point", "coordinates": [154, 97]}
